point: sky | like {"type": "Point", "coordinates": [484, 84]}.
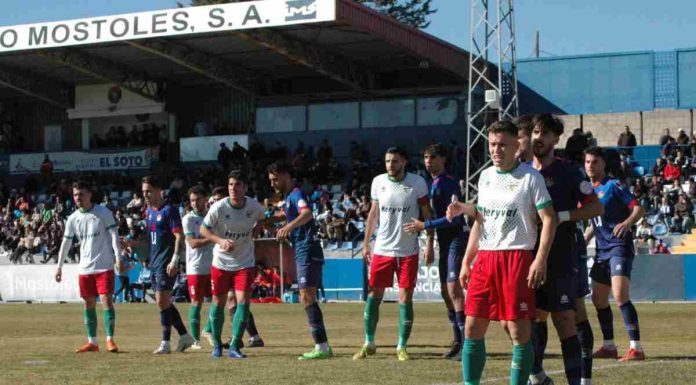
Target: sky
{"type": "Point", "coordinates": [567, 27]}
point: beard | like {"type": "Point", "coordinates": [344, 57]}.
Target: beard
{"type": "Point", "coordinates": [541, 151]}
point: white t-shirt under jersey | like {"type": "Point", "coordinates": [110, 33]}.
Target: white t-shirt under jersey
{"type": "Point", "coordinates": [399, 202]}
{"type": "Point", "coordinates": [91, 228]}
{"type": "Point", "coordinates": [236, 224]}
{"type": "Point", "coordinates": [509, 202]}
{"type": "Point", "coordinates": [199, 260]}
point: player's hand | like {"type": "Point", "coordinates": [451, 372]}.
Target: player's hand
{"type": "Point", "coordinates": [59, 275]}
{"type": "Point", "coordinates": [429, 256]}
{"type": "Point", "coordinates": [367, 254]}
{"type": "Point", "coordinates": [172, 269]}
{"type": "Point", "coordinates": [283, 233]}
{"type": "Point", "coordinates": [464, 275]}
{"type": "Point", "coordinates": [621, 229]}
{"type": "Point", "coordinates": [454, 210]}
{"type": "Point", "coordinates": [414, 227]}
{"type": "Point", "coordinates": [227, 246]}
{"type": "Point", "coordinates": [537, 274]}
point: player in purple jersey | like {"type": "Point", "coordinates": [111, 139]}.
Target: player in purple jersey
{"type": "Point", "coordinates": [574, 200]}
{"type": "Point", "coordinates": [611, 271]}
{"type": "Point", "coordinates": [166, 243]}
{"type": "Point", "coordinates": [301, 231]}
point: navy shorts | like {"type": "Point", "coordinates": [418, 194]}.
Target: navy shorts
{"type": "Point", "coordinates": [309, 274]}
{"type": "Point", "coordinates": [560, 289]}
{"type": "Point", "coordinates": [618, 262]}
{"type": "Point", "coordinates": [161, 281]}
{"type": "Point", "coordinates": [451, 256]}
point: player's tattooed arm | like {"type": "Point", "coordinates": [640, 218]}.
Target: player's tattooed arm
{"type": "Point", "coordinates": [537, 271]}
{"type": "Point", "coordinates": [637, 212]}
{"type": "Point", "coordinates": [370, 226]}
{"type": "Point", "coordinates": [472, 248]}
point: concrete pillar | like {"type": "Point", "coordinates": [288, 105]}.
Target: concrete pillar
{"type": "Point", "coordinates": [85, 134]}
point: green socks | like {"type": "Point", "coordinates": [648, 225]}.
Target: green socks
{"type": "Point", "coordinates": [473, 361]}
{"type": "Point", "coordinates": [208, 326]}
{"type": "Point", "coordinates": [90, 316]}
{"type": "Point", "coordinates": [371, 317]}
{"type": "Point", "coordinates": [217, 318]}
{"type": "Point", "coordinates": [405, 323]}
{"type": "Point", "coordinates": [239, 323]}
{"type": "Point", "coordinates": [522, 360]}
{"type": "Point", "coordinates": [109, 321]}
{"type": "Point", "coordinates": [195, 322]}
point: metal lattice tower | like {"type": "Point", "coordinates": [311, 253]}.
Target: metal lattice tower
{"type": "Point", "coordinates": [492, 85]}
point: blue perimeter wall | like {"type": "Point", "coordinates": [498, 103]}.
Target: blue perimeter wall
{"type": "Point", "coordinates": [612, 82]}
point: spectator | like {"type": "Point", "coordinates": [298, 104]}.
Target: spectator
{"type": "Point", "coordinates": [644, 235]}
{"type": "Point", "coordinates": [658, 171]}
{"type": "Point", "coordinates": [591, 141]}
{"type": "Point", "coordinates": [661, 248]}
{"type": "Point", "coordinates": [672, 171]}
{"type": "Point", "coordinates": [682, 138]}
{"type": "Point", "coordinates": [575, 145]}
{"type": "Point", "coordinates": [682, 161]}
{"type": "Point", "coordinates": [224, 157]}
{"type": "Point", "coordinates": [666, 212]}
{"type": "Point", "coordinates": [46, 168]}
{"type": "Point", "coordinates": [664, 139]}
{"type": "Point", "coordinates": [668, 149]}
{"type": "Point", "coordinates": [627, 139]}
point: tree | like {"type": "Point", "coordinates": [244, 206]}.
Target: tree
{"type": "Point", "coordinates": [410, 12]}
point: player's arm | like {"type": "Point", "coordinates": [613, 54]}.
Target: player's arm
{"type": "Point", "coordinates": [637, 210]}
{"type": "Point", "coordinates": [305, 216]}
{"type": "Point", "coordinates": [116, 245]}
{"type": "Point", "coordinates": [589, 233]}
{"type": "Point", "coordinates": [226, 245]}
{"type": "Point", "coordinates": [196, 243]}
{"type": "Point", "coordinates": [537, 271]}
{"type": "Point", "coordinates": [429, 254]}
{"type": "Point", "coordinates": [65, 246]}
{"type": "Point", "coordinates": [179, 246]}
{"type": "Point", "coordinates": [370, 226]}
{"type": "Point", "coordinates": [472, 248]}
{"type": "Point", "coordinates": [587, 211]}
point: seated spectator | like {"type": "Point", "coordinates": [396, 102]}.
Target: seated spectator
{"type": "Point", "coordinates": [683, 162]}
{"type": "Point", "coordinates": [136, 205]}
{"type": "Point", "coordinates": [644, 235]}
{"type": "Point", "coordinates": [672, 171]}
{"type": "Point", "coordinates": [661, 248]}
{"type": "Point", "coordinates": [668, 149]}
{"type": "Point", "coordinates": [666, 212]}
{"type": "Point", "coordinates": [658, 170]}
{"type": "Point", "coordinates": [682, 138]}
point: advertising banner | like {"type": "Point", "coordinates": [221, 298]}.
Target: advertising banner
{"type": "Point", "coordinates": [37, 283]}
{"type": "Point", "coordinates": [81, 161]}
{"type": "Point", "coordinates": [166, 22]}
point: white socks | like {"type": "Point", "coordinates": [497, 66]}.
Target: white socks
{"type": "Point", "coordinates": [636, 345]}
{"type": "Point", "coordinates": [93, 340]}
{"type": "Point", "coordinates": [609, 344]}
{"type": "Point", "coordinates": [324, 347]}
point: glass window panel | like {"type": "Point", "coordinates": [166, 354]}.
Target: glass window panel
{"type": "Point", "coordinates": [334, 116]}
{"type": "Point", "coordinates": [388, 113]}
{"type": "Point", "coordinates": [281, 119]}
{"type": "Point", "coordinates": [441, 110]}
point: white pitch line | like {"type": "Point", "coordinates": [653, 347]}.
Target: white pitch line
{"type": "Point", "coordinates": [630, 365]}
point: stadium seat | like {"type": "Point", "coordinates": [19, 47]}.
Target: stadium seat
{"type": "Point", "coordinates": [638, 171]}
{"type": "Point", "coordinates": [660, 229]}
{"type": "Point", "coordinates": [336, 189]}
{"type": "Point", "coordinates": [113, 195]}
{"type": "Point", "coordinates": [126, 194]}
{"type": "Point", "coordinates": [41, 198]}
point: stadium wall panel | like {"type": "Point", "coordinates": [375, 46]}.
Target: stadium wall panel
{"type": "Point", "coordinates": [658, 278]}
{"type": "Point", "coordinates": [690, 277]}
{"type": "Point", "coordinates": [686, 64]}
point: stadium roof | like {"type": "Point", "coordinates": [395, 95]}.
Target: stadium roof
{"type": "Point", "coordinates": [360, 53]}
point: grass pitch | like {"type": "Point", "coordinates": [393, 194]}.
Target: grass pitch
{"type": "Point", "coordinates": [37, 343]}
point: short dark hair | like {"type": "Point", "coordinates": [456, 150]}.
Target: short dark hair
{"type": "Point", "coordinates": [279, 167]}
{"type": "Point", "coordinates": [197, 190]}
{"type": "Point", "coordinates": [437, 149]}
{"type": "Point", "coordinates": [548, 122]}
{"type": "Point", "coordinates": [219, 191]}
{"type": "Point", "coordinates": [152, 180]}
{"type": "Point", "coordinates": [596, 151]}
{"type": "Point", "coordinates": [503, 126]}
{"type": "Point", "coordinates": [82, 185]}
{"type": "Point", "coordinates": [524, 124]}
{"type": "Point", "coordinates": [398, 150]}
{"type": "Point", "coordinates": [238, 175]}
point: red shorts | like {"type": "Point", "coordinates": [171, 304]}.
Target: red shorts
{"type": "Point", "coordinates": [222, 280]}
{"type": "Point", "coordinates": [198, 287]}
{"type": "Point", "coordinates": [382, 271]}
{"type": "Point", "coordinates": [498, 286]}
{"type": "Point", "coordinates": [92, 285]}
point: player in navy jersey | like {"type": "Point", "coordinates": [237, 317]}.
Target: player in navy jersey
{"type": "Point", "coordinates": [612, 268]}
{"type": "Point", "coordinates": [573, 199]}
{"type": "Point", "coordinates": [301, 231]}
{"type": "Point", "coordinates": [166, 242]}
{"type": "Point", "coordinates": [452, 238]}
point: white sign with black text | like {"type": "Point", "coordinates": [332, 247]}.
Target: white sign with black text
{"type": "Point", "coordinates": [167, 22]}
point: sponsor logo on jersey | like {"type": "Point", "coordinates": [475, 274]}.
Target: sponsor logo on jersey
{"type": "Point", "coordinates": [236, 236]}
{"type": "Point", "coordinates": [394, 210]}
{"type": "Point", "coordinates": [564, 299]}
{"type": "Point", "coordinates": [496, 213]}
{"type": "Point", "coordinates": [524, 306]}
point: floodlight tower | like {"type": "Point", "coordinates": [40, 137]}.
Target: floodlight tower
{"type": "Point", "coordinates": [492, 85]}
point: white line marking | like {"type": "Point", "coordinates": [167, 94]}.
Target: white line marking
{"type": "Point", "coordinates": [622, 365]}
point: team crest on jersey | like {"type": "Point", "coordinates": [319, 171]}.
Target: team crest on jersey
{"type": "Point", "coordinates": [586, 187]}
{"type": "Point", "coordinates": [524, 306]}
{"type": "Point", "coordinates": [513, 186]}
{"type": "Point", "coordinates": [159, 217]}
{"type": "Point", "coordinates": [248, 214]}
{"type": "Point", "coordinates": [549, 182]}
{"type": "Point", "coordinates": [600, 194]}
{"type": "Point", "coordinates": [227, 216]}
{"type": "Point", "coordinates": [382, 189]}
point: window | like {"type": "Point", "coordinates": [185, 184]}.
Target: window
{"type": "Point", "coordinates": [281, 119]}
{"type": "Point", "coordinates": [388, 113]}
{"type": "Point", "coordinates": [441, 110]}
{"type": "Point", "coordinates": [334, 116]}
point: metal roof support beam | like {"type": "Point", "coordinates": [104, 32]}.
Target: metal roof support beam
{"type": "Point", "coordinates": [340, 69]}
{"type": "Point", "coordinates": [41, 89]}
{"type": "Point", "coordinates": [196, 61]}
{"type": "Point", "coordinates": [130, 79]}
